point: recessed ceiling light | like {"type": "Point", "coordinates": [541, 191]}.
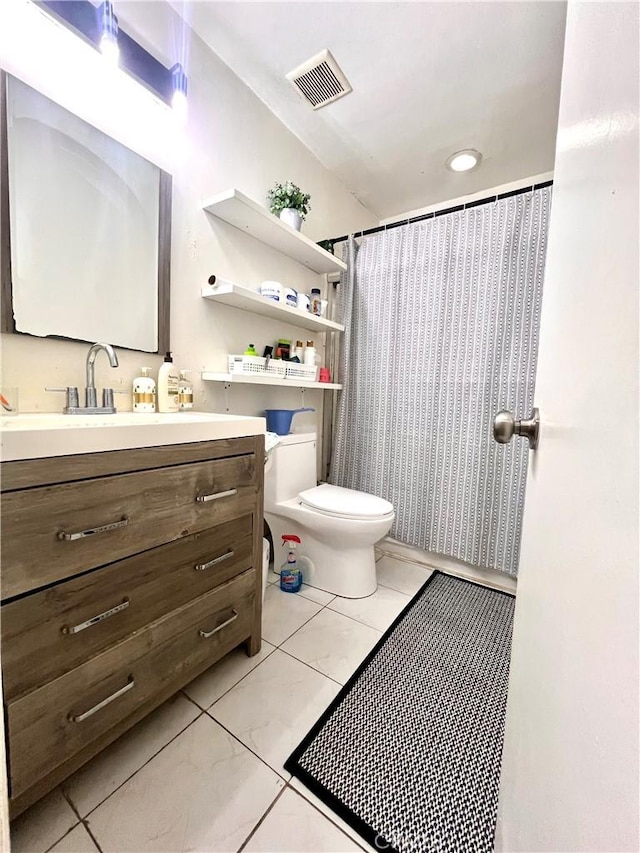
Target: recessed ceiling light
{"type": "Point", "coordinates": [464, 161]}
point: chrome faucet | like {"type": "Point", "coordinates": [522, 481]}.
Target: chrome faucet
{"type": "Point", "coordinates": [91, 399]}
{"type": "Point", "coordinates": [72, 403]}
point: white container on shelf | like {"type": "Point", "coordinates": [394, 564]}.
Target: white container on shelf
{"type": "Point", "coordinates": [271, 290]}
{"type": "Point", "coordinates": [255, 365]}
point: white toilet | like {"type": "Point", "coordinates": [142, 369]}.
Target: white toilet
{"type": "Point", "coordinates": [338, 527]}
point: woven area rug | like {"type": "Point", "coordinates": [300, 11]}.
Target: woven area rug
{"type": "Point", "coordinates": [409, 752]}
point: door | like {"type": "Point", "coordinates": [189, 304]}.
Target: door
{"type": "Point", "coordinates": [570, 762]}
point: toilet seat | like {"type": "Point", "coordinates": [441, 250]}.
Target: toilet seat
{"type": "Point", "coordinates": [345, 503]}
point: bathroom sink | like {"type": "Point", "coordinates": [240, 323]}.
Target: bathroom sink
{"type": "Point", "coordinates": [33, 436]}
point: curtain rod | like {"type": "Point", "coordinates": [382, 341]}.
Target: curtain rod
{"type": "Point", "coordinates": [434, 213]}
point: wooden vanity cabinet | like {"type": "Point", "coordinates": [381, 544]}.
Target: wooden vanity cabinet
{"type": "Point", "coordinates": [124, 575]}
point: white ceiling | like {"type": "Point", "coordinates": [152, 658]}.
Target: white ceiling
{"type": "Point", "coordinates": [429, 78]}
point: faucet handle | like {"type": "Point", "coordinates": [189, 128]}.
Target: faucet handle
{"type": "Point", "coordinates": [71, 399]}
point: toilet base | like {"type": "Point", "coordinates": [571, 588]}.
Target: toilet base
{"type": "Point", "coordinates": [337, 564]}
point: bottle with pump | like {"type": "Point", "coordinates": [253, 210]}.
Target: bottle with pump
{"type": "Point", "coordinates": [144, 392]}
{"type": "Point", "coordinates": [290, 574]}
{"type": "Point", "coordinates": [185, 392]}
{"type": "Point", "coordinates": [168, 383]}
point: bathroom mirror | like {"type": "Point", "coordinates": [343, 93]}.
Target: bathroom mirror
{"type": "Point", "coordinates": [85, 229]}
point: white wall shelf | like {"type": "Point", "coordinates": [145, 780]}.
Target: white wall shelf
{"type": "Point", "coordinates": [236, 296]}
{"type": "Point", "coordinates": [242, 212]}
{"type": "Point", "coordinates": [248, 379]}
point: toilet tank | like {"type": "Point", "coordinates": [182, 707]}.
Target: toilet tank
{"type": "Point", "coordinates": [291, 468]}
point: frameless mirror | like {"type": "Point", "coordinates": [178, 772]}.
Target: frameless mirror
{"type": "Point", "coordinates": [86, 229]}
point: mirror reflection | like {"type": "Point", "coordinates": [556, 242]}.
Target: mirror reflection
{"type": "Point", "coordinates": [88, 247]}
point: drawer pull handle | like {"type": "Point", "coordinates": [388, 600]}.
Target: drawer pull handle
{"type": "Point", "coordinates": [205, 498]}
{"type": "Point", "coordinates": [95, 619]}
{"type": "Point", "coordinates": [206, 634]}
{"type": "Point", "coordinates": [82, 534]}
{"type": "Point", "coordinates": [78, 718]}
{"type": "Point", "coordinates": [202, 566]}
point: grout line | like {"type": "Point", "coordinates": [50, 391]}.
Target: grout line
{"type": "Point", "coordinates": [71, 828]}
{"type": "Point", "coordinates": [262, 819]}
{"type": "Point", "coordinates": [248, 748]}
{"type": "Point", "coordinates": [277, 645]}
{"type": "Point", "coordinates": [135, 772]}
{"type": "Point", "coordinates": [85, 823]}
{"type": "Point", "coordinates": [235, 684]}
{"type": "Point", "coordinates": [317, 671]}
{"type": "Point", "coordinates": [329, 818]}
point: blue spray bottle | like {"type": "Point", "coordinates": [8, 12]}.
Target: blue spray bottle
{"type": "Point", "coordinates": [290, 574]}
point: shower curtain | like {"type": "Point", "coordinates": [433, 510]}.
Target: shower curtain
{"type": "Point", "coordinates": [442, 319]}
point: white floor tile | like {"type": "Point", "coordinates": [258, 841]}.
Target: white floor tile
{"type": "Point", "coordinates": [212, 684]}
{"type": "Point", "coordinates": [304, 792]}
{"type": "Point", "coordinates": [35, 830]}
{"type": "Point", "coordinates": [378, 610]}
{"type": "Point", "coordinates": [401, 575]}
{"type": "Point", "coordinates": [274, 706]}
{"type": "Point", "coordinates": [333, 644]}
{"type": "Point", "coordinates": [294, 826]}
{"type": "Point", "coordinates": [272, 577]}
{"type": "Point", "coordinates": [283, 613]}
{"type": "Point", "coordinates": [115, 764]}
{"type": "Point", "coordinates": [76, 841]}
{"type": "Point", "coordinates": [205, 792]}
{"type": "Point", "coordinates": [317, 595]}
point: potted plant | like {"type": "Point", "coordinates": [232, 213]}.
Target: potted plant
{"type": "Point", "coordinates": [289, 203]}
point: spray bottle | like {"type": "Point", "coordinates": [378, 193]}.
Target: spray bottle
{"type": "Point", "coordinates": [290, 574]}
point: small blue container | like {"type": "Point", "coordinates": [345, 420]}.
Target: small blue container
{"type": "Point", "coordinates": [279, 420]}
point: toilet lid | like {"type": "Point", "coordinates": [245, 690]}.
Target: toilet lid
{"type": "Point", "coordinates": [346, 503]}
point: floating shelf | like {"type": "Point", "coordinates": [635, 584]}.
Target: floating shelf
{"type": "Point", "coordinates": [239, 379]}
{"type": "Point", "coordinates": [242, 212]}
{"type": "Point", "coordinates": [236, 296]}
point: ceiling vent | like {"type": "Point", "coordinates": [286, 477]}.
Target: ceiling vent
{"type": "Point", "coordinates": [320, 80]}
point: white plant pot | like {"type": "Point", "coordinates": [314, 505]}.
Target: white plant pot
{"type": "Point", "coordinates": [292, 217]}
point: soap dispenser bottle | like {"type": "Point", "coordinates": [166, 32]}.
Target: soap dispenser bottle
{"type": "Point", "coordinates": [168, 382]}
{"type": "Point", "coordinates": [185, 392]}
{"type": "Point", "coordinates": [144, 392]}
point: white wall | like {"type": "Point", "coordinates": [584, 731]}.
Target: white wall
{"type": "Point", "coordinates": [570, 762]}
{"type": "Point", "coordinates": [231, 139]}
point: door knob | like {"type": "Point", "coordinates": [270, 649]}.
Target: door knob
{"type": "Point", "coordinates": [505, 427]}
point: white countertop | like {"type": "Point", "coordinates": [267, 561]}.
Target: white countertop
{"type": "Point", "coordinates": [35, 436]}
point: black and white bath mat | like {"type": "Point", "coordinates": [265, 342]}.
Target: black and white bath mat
{"type": "Point", "coordinates": [409, 751]}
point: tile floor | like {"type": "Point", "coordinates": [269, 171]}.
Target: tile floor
{"type": "Point", "coordinates": [204, 772]}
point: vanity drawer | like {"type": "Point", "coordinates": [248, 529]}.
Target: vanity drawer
{"type": "Point", "coordinates": [50, 724]}
{"type": "Point", "coordinates": [54, 532]}
{"type": "Point", "coordinates": [52, 631]}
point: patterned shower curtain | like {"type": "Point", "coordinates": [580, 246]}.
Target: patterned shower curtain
{"type": "Point", "coordinates": [442, 321]}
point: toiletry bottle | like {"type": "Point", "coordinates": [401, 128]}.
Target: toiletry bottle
{"type": "Point", "coordinates": [144, 392]}
{"type": "Point", "coordinates": [168, 386]}
{"type": "Point", "coordinates": [251, 350]}
{"type": "Point", "coordinates": [298, 351]}
{"type": "Point", "coordinates": [316, 302]}
{"type": "Point", "coordinates": [290, 574]}
{"type": "Point", "coordinates": [185, 392]}
{"type": "Point", "coordinates": [310, 354]}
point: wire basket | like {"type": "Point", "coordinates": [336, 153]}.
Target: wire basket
{"type": "Point", "coordinates": [254, 365]}
{"type": "Point", "coordinates": [301, 372]}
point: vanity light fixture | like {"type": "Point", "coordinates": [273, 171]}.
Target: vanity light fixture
{"type": "Point", "coordinates": [109, 32]}
{"type": "Point", "coordinates": [464, 161]}
{"type": "Point", "coordinates": [179, 97]}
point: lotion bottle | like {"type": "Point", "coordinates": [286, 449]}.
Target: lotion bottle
{"type": "Point", "coordinates": [144, 392]}
{"type": "Point", "coordinates": [168, 382]}
{"type": "Point", "coordinates": [185, 392]}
